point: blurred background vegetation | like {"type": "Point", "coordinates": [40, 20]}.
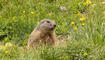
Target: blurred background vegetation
{"type": "Point", "coordinates": [80, 23]}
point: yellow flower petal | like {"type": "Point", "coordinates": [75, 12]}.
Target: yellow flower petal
{"type": "Point", "coordinates": [1, 47]}
{"type": "Point", "coordinates": [83, 24]}
{"type": "Point", "coordinates": [75, 27]}
{"type": "Point", "coordinates": [72, 22]}
{"type": "Point", "coordinates": [62, 4]}
{"type": "Point", "coordinates": [78, 13]}
{"type": "Point", "coordinates": [14, 46]}
{"type": "Point", "coordinates": [32, 13]}
{"type": "Point", "coordinates": [49, 14]}
{"type": "Point", "coordinates": [103, 23]}
{"type": "Point", "coordinates": [6, 52]}
{"type": "Point", "coordinates": [82, 19]}
{"type": "Point", "coordinates": [23, 12]}
{"type": "Point", "coordinates": [104, 12]}
{"type": "Point", "coordinates": [91, 5]}
{"type": "Point", "coordinates": [85, 54]}
{"type": "Point", "coordinates": [87, 2]}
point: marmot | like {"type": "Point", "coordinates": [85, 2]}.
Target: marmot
{"type": "Point", "coordinates": [44, 33]}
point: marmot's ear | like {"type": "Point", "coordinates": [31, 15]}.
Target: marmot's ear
{"type": "Point", "coordinates": [41, 22]}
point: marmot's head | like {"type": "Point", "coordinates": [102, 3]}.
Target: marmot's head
{"type": "Point", "coordinates": [46, 24]}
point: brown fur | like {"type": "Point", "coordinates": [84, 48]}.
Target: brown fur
{"type": "Point", "coordinates": [43, 34]}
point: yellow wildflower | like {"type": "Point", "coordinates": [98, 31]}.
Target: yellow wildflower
{"type": "Point", "coordinates": [75, 27]}
{"type": "Point", "coordinates": [72, 22]}
{"type": "Point", "coordinates": [49, 14]}
{"type": "Point", "coordinates": [78, 13]}
{"type": "Point", "coordinates": [82, 19]}
{"type": "Point", "coordinates": [104, 0]}
{"type": "Point", "coordinates": [91, 5]}
{"type": "Point", "coordinates": [104, 12]}
{"type": "Point", "coordinates": [14, 46]}
{"type": "Point", "coordinates": [1, 47]}
{"type": "Point", "coordinates": [83, 24]}
{"type": "Point", "coordinates": [6, 52]}
{"type": "Point", "coordinates": [84, 3]}
{"type": "Point", "coordinates": [103, 23]}
{"type": "Point", "coordinates": [63, 4]}
{"type": "Point", "coordinates": [23, 12]}
{"type": "Point", "coordinates": [85, 54]}
{"type": "Point", "coordinates": [8, 44]}
{"type": "Point", "coordinates": [32, 13]}
{"type": "Point", "coordinates": [87, 2]}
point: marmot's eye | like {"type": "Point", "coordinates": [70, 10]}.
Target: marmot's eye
{"type": "Point", "coordinates": [48, 21]}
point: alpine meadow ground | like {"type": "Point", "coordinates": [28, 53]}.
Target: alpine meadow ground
{"type": "Point", "coordinates": [80, 29]}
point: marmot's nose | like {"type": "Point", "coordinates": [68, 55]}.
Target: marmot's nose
{"type": "Point", "coordinates": [54, 25]}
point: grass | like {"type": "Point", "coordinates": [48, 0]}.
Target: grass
{"type": "Point", "coordinates": [80, 29]}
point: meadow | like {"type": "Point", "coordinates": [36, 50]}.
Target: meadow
{"type": "Point", "coordinates": [80, 29]}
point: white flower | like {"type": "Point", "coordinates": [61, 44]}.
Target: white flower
{"type": "Point", "coordinates": [62, 8]}
{"type": "Point", "coordinates": [103, 2]}
{"type": "Point", "coordinates": [94, 4]}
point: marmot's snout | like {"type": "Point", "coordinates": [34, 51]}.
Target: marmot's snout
{"type": "Point", "coordinates": [54, 25]}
